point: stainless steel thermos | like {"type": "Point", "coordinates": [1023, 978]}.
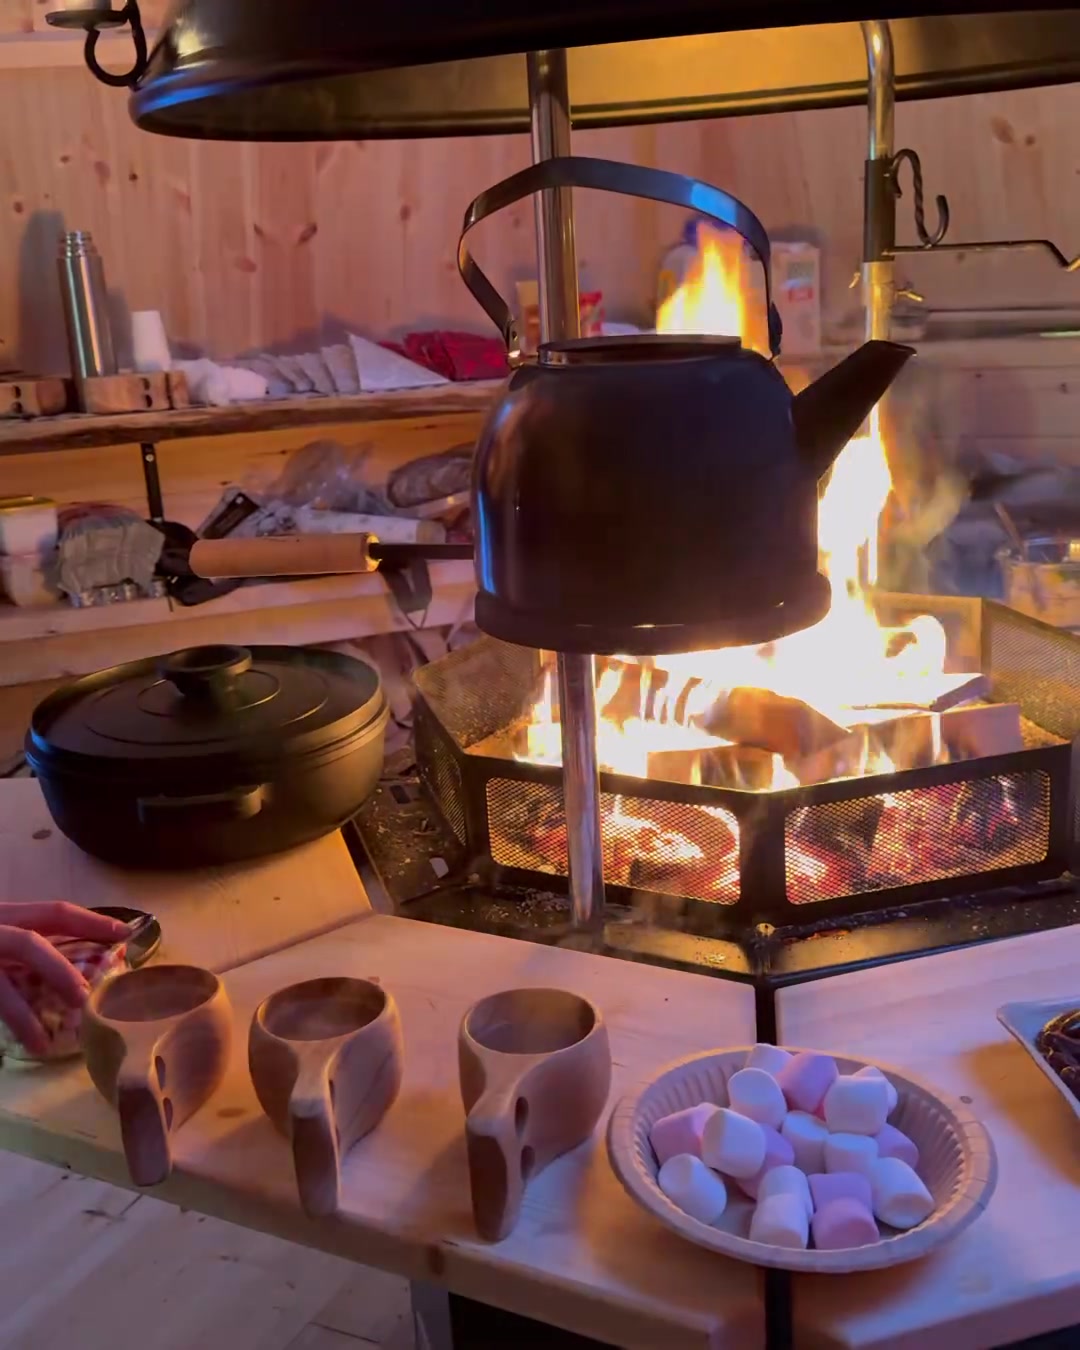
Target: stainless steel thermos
{"type": "Point", "coordinates": [86, 307]}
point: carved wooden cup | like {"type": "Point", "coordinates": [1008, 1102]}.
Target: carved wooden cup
{"type": "Point", "coordinates": [535, 1070]}
{"type": "Point", "coordinates": [156, 1042]}
{"type": "Point", "coordinates": [326, 1059]}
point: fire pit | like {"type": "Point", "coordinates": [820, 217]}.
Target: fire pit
{"type": "Point", "coordinates": [776, 855]}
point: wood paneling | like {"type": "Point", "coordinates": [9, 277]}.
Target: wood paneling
{"type": "Point", "coordinates": [243, 247]}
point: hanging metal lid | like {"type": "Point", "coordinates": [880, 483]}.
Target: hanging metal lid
{"type": "Point", "coordinates": [206, 706]}
{"type": "Point", "coordinates": [278, 70]}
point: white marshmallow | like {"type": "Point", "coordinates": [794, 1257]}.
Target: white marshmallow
{"type": "Point", "coordinates": [781, 1221]}
{"type": "Point", "coordinates": [695, 1188]}
{"type": "Point", "coordinates": [850, 1153]}
{"type": "Point", "coordinates": [755, 1093]}
{"type": "Point", "coordinates": [872, 1071]}
{"type": "Point", "coordinates": [768, 1057]}
{"type": "Point", "coordinates": [733, 1144]}
{"type": "Point", "coordinates": [856, 1105]}
{"type": "Point", "coordinates": [900, 1198]}
{"type": "Point", "coordinates": [806, 1135]}
{"type": "Point", "coordinates": [786, 1181]}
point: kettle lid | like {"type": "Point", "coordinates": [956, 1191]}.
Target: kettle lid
{"type": "Point", "coordinates": [637, 347]}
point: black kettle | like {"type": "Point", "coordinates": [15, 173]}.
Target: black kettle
{"type": "Point", "coordinates": [657, 493]}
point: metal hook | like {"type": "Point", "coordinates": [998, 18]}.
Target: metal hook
{"type": "Point", "coordinates": [927, 239]}
{"type": "Point", "coordinates": [94, 19]}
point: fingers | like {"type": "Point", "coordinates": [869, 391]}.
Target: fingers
{"type": "Point", "coordinates": [58, 918]}
{"type": "Point", "coordinates": [31, 949]}
{"type": "Point", "coordinates": [16, 1013]}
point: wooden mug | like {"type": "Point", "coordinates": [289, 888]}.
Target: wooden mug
{"type": "Point", "coordinates": [156, 1042]}
{"type": "Point", "coordinates": [326, 1059]}
{"type": "Point", "coordinates": [535, 1070]}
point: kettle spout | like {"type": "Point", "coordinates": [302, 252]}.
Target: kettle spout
{"type": "Point", "coordinates": [832, 409]}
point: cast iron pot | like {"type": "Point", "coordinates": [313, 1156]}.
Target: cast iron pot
{"type": "Point", "coordinates": [210, 755]}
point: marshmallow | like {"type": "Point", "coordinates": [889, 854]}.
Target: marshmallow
{"type": "Point", "coordinates": [805, 1080]}
{"type": "Point", "coordinates": [900, 1198]}
{"type": "Point", "coordinates": [806, 1135]}
{"type": "Point", "coordinates": [755, 1093]}
{"type": "Point", "coordinates": [872, 1071]}
{"type": "Point", "coordinates": [843, 1223]}
{"type": "Point", "coordinates": [733, 1144]}
{"type": "Point", "coordinates": [893, 1143]}
{"type": "Point", "coordinates": [680, 1132]}
{"type": "Point", "coordinates": [781, 1221]}
{"type": "Point", "coordinates": [857, 1105]}
{"type": "Point", "coordinates": [768, 1057]}
{"type": "Point", "coordinates": [789, 1180]}
{"type": "Point", "coordinates": [697, 1190]}
{"type": "Point", "coordinates": [825, 1187]}
{"type": "Point", "coordinates": [778, 1153]}
{"type": "Point", "coordinates": [850, 1153]}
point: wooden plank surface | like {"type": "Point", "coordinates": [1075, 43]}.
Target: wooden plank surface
{"type": "Point", "coordinates": [85, 431]}
{"type": "Point", "coordinates": [583, 1256]}
{"type": "Point", "coordinates": [59, 641]}
{"type": "Point", "coordinates": [1016, 1271]}
{"type": "Point", "coordinates": [215, 917]}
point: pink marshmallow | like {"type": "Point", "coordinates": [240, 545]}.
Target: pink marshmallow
{"type": "Point", "coordinates": [825, 1187]}
{"type": "Point", "coordinates": [843, 1223]}
{"type": "Point", "coordinates": [680, 1132]}
{"type": "Point", "coordinates": [778, 1153]}
{"type": "Point", "coordinates": [893, 1143]}
{"type": "Point", "coordinates": [806, 1078]}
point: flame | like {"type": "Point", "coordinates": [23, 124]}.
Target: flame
{"type": "Point", "coordinates": [845, 667]}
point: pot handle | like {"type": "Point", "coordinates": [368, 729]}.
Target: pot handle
{"type": "Point", "coordinates": [605, 175]}
{"type": "Point", "coordinates": [237, 804]}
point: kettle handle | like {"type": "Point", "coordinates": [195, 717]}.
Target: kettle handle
{"type": "Point", "coordinates": [605, 175]}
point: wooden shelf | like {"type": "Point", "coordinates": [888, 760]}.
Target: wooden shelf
{"type": "Point", "coordinates": [83, 431]}
{"type": "Point", "coordinates": [57, 641]}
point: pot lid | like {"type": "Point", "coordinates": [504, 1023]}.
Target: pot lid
{"type": "Point", "coordinates": [328, 69]}
{"type": "Point", "coordinates": [243, 704]}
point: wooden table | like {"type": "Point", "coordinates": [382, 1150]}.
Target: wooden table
{"type": "Point", "coordinates": [1016, 1272]}
{"type": "Point", "coordinates": [216, 917]}
{"type": "Point", "coordinates": [583, 1256]}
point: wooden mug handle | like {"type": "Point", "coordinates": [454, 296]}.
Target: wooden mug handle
{"type": "Point", "coordinates": [145, 1118]}
{"type": "Point", "coordinates": [313, 1129]}
{"type": "Point", "coordinates": [499, 1163]}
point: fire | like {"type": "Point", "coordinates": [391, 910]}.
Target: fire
{"type": "Point", "coordinates": [848, 667]}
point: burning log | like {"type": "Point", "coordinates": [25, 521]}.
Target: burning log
{"type": "Point", "coordinates": [772, 722]}
{"type": "Point", "coordinates": [729, 766]}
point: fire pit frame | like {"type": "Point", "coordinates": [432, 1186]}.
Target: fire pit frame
{"type": "Point", "coordinates": [1027, 662]}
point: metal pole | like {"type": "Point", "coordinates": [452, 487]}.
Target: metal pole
{"type": "Point", "coordinates": [879, 223]}
{"type": "Point", "coordinates": [549, 106]}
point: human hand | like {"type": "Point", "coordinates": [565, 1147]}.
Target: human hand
{"type": "Point", "coordinates": [24, 940]}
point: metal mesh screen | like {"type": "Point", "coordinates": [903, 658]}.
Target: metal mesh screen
{"type": "Point", "coordinates": [443, 779]}
{"type": "Point", "coordinates": [481, 688]}
{"type": "Point", "coordinates": [669, 847]}
{"type": "Point", "coordinates": [915, 836]}
{"type": "Point", "coordinates": [1034, 665]}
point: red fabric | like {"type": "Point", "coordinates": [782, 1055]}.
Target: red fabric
{"type": "Point", "coordinates": [457, 356]}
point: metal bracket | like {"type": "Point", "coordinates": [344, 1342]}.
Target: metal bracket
{"type": "Point", "coordinates": [932, 242]}
{"type": "Point", "coordinates": [154, 503]}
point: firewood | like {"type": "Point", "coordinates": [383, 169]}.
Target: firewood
{"type": "Point", "coordinates": [784, 726]}
{"type": "Point", "coordinates": [985, 729]}
{"type": "Point", "coordinates": [732, 766]}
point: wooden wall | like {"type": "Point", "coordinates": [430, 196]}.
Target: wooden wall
{"type": "Point", "coordinates": [243, 247]}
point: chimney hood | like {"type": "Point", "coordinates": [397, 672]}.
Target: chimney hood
{"type": "Point", "coordinates": [328, 69]}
